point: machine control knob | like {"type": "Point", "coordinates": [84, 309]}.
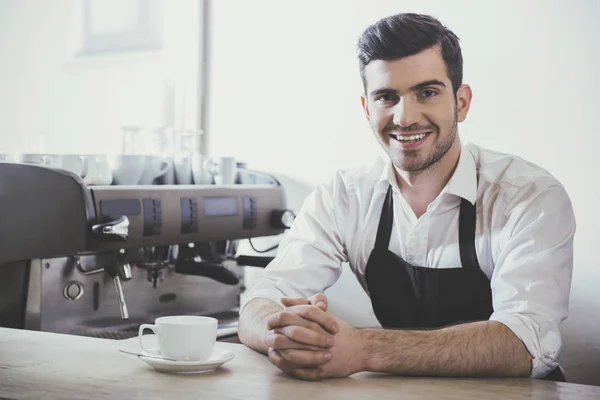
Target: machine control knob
{"type": "Point", "coordinates": [282, 219]}
{"type": "Point", "coordinates": [73, 290]}
{"type": "Point", "coordinates": [114, 230]}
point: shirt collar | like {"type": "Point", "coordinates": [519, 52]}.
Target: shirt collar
{"type": "Point", "coordinates": [388, 177]}
{"type": "Point", "coordinates": [462, 183]}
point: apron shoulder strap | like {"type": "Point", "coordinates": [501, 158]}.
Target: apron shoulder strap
{"type": "Point", "coordinates": [384, 230]}
{"type": "Point", "coordinates": [466, 234]}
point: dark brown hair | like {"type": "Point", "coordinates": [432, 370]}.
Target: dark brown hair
{"type": "Point", "coordinates": [403, 35]}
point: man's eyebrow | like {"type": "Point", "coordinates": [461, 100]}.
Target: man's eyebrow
{"type": "Point", "coordinates": [414, 88]}
{"type": "Point", "coordinates": [383, 91]}
{"type": "Point", "coordinates": [431, 82]}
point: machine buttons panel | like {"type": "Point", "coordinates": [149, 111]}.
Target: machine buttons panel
{"type": "Point", "coordinates": [120, 207]}
{"type": "Point", "coordinates": [250, 212]}
{"type": "Point", "coordinates": [152, 217]}
{"type": "Point", "coordinates": [189, 215]}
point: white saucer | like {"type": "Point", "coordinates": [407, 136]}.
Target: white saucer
{"type": "Point", "coordinates": [218, 357]}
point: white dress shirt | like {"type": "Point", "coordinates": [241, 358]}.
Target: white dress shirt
{"type": "Point", "coordinates": [524, 240]}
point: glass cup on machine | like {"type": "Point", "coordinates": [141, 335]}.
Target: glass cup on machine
{"type": "Point", "coordinates": [146, 157]}
{"type": "Point", "coordinates": [160, 145]}
{"type": "Point", "coordinates": [226, 171]}
{"type": "Point", "coordinates": [187, 146]}
{"type": "Point", "coordinates": [128, 167]}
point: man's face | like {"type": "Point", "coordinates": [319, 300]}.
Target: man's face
{"type": "Point", "coordinates": [412, 109]}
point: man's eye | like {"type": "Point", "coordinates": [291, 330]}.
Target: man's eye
{"type": "Point", "coordinates": [427, 93]}
{"type": "Point", "coordinates": [386, 98]}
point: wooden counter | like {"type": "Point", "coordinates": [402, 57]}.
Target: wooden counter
{"type": "Point", "coordinates": [39, 365]}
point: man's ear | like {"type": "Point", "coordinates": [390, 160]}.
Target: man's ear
{"type": "Point", "coordinates": [463, 101]}
{"type": "Point", "coordinates": [365, 106]}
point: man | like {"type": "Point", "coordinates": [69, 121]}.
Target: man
{"type": "Point", "coordinates": [465, 253]}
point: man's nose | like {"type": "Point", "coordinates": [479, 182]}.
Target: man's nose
{"type": "Point", "coordinates": [406, 114]}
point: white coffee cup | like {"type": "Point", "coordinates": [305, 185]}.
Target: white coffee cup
{"type": "Point", "coordinates": [227, 167]}
{"type": "Point", "coordinates": [183, 169]}
{"type": "Point", "coordinates": [183, 337]}
{"type": "Point", "coordinates": [11, 158]}
{"type": "Point", "coordinates": [48, 160]}
{"type": "Point", "coordinates": [203, 169]}
{"type": "Point", "coordinates": [73, 163]}
{"type": "Point", "coordinates": [127, 169]}
{"type": "Point", "coordinates": [97, 170]}
{"type": "Point", "coordinates": [155, 168]}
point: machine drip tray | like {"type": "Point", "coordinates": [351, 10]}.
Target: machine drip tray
{"type": "Point", "coordinates": [228, 324]}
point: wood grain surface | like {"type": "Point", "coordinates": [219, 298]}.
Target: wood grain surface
{"type": "Point", "coordinates": [41, 365]}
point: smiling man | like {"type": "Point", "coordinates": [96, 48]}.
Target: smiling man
{"type": "Point", "coordinates": [466, 253]}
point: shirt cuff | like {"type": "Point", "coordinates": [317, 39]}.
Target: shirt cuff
{"type": "Point", "coordinates": [527, 331]}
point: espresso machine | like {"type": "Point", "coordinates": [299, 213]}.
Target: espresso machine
{"type": "Point", "coordinates": [101, 260]}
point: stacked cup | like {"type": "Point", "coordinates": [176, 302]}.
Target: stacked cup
{"type": "Point", "coordinates": [146, 157]}
{"type": "Point", "coordinates": [186, 155]}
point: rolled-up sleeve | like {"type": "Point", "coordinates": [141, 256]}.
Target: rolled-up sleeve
{"type": "Point", "coordinates": [310, 254]}
{"type": "Point", "coordinates": [532, 276]}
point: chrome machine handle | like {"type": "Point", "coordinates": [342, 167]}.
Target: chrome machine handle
{"type": "Point", "coordinates": [115, 230]}
{"type": "Point", "coordinates": [122, 305]}
{"type": "Point", "coordinates": [117, 270]}
{"type": "Point", "coordinates": [124, 271]}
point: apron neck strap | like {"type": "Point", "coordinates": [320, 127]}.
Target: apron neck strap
{"type": "Point", "coordinates": [466, 234]}
{"type": "Point", "coordinates": [384, 230]}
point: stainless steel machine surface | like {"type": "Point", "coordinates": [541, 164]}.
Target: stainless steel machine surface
{"type": "Point", "coordinates": [101, 260]}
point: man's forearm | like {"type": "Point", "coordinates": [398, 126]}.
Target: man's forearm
{"type": "Point", "coordinates": [252, 329]}
{"type": "Point", "coordinates": [485, 348]}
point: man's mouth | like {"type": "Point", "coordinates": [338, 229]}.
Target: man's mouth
{"type": "Point", "coordinates": [412, 138]}
{"type": "Point", "coordinates": [408, 139]}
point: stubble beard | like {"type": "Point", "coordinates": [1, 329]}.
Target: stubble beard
{"type": "Point", "coordinates": [410, 162]}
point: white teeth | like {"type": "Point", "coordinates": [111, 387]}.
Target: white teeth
{"type": "Point", "coordinates": [410, 138]}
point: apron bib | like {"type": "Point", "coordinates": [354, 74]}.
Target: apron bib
{"type": "Point", "coordinates": [406, 296]}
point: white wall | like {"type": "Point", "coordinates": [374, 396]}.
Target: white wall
{"type": "Point", "coordinates": [52, 100]}
{"type": "Point", "coordinates": [285, 98]}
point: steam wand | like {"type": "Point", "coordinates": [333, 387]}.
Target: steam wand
{"type": "Point", "coordinates": [117, 270]}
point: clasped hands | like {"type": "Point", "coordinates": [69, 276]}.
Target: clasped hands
{"type": "Point", "coordinates": [307, 342]}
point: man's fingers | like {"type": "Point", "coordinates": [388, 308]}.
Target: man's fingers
{"type": "Point", "coordinates": [290, 302]}
{"type": "Point", "coordinates": [319, 300]}
{"type": "Point", "coordinates": [305, 358]}
{"type": "Point", "coordinates": [300, 332]}
{"type": "Point", "coordinates": [290, 317]}
{"type": "Point", "coordinates": [278, 361]}
{"type": "Point", "coordinates": [307, 336]}
{"type": "Point", "coordinates": [281, 319]}
{"type": "Point", "coordinates": [317, 315]}
{"type": "Point", "coordinates": [279, 341]}
{"type": "Point", "coordinates": [288, 368]}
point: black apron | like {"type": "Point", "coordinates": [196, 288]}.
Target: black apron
{"type": "Point", "coordinates": [412, 297]}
